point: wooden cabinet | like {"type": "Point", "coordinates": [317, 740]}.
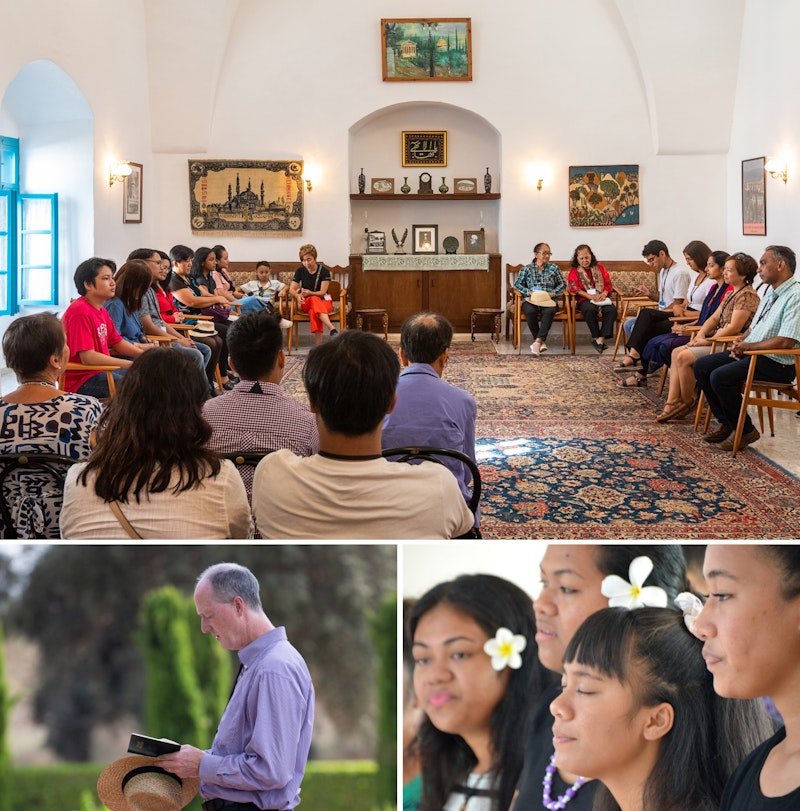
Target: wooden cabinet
{"type": "Point", "coordinates": [453, 293]}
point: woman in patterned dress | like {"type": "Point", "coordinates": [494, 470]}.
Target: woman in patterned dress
{"type": "Point", "coordinates": [38, 418]}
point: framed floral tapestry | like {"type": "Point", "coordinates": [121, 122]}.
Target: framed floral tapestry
{"type": "Point", "coordinates": [603, 195]}
{"type": "Point", "coordinates": [241, 195]}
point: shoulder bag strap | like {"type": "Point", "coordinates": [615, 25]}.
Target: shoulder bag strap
{"type": "Point", "coordinates": [126, 525]}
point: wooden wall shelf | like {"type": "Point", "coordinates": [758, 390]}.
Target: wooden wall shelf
{"type": "Point", "coordinates": [413, 197]}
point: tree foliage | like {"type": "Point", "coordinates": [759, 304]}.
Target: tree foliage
{"type": "Point", "coordinates": [5, 709]}
{"type": "Point", "coordinates": [81, 605]}
{"type": "Point", "coordinates": [383, 628]}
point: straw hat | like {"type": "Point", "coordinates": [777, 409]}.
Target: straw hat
{"type": "Point", "coordinates": [203, 329]}
{"type": "Point", "coordinates": [541, 298]}
{"type": "Point", "coordinates": [135, 784]}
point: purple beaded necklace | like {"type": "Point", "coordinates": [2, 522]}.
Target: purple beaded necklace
{"type": "Point", "coordinates": [547, 785]}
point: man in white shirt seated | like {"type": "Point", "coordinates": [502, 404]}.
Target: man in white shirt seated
{"type": "Point", "coordinates": [348, 490]}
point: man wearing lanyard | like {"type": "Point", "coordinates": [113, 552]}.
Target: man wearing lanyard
{"type": "Point", "coordinates": [258, 756]}
{"type": "Point", "coordinates": [776, 326]}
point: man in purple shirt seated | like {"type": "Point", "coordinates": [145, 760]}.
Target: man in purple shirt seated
{"type": "Point", "coordinates": [430, 411]}
{"type": "Point", "coordinates": [258, 756]}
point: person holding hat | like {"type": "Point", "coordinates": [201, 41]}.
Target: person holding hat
{"type": "Point", "coordinates": [538, 281]}
{"type": "Point", "coordinates": [135, 783]}
{"type": "Point", "coordinates": [258, 757]}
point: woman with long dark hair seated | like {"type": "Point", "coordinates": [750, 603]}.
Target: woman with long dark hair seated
{"type": "Point", "coordinates": [225, 286]}
{"type": "Point", "coordinates": [151, 474]}
{"type": "Point", "coordinates": [38, 418]}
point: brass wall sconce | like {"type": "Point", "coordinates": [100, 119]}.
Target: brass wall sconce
{"type": "Point", "coordinates": [118, 172]}
{"type": "Point", "coordinates": [777, 168]}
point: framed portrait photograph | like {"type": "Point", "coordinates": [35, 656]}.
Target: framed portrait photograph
{"type": "Point", "coordinates": [754, 197]}
{"type": "Point", "coordinates": [427, 50]}
{"type": "Point", "coordinates": [376, 242]}
{"type": "Point", "coordinates": [424, 239]}
{"type": "Point", "coordinates": [425, 148]}
{"type": "Point", "coordinates": [132, 195]}
{"type": "Point", "coordinates": [475, 241]}
{"type": "Point", "coordinates": [382, 185]}
{"type": "Point", "coordinates": [465, 185]}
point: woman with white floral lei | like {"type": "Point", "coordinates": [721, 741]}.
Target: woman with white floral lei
{"type": "Point", "coordinates": [476, 674]}
{"type": "Point", "coordinates": [750, 626]}
{"type": "Point", "coordinates": [571, 591]}
{"type": "Point", "coordinates": [638, 710]}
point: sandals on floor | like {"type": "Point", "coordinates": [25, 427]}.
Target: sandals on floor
{"type": "Point", "coordinates": [633, 382]}
{"type": "Point", "coordinates": [621, 364]}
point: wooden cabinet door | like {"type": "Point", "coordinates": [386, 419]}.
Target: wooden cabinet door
{"type": "Point", "coordinates": [454, 293]}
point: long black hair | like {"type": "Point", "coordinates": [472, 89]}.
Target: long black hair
{"type": "Point", "coordinates": [447, 760]}
{"type": "Point", "coordinates": [651, 650]}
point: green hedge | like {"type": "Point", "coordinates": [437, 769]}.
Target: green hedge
{"type": "Point", "coordinates": [333, 785]}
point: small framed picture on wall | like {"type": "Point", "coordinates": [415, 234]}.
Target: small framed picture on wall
{"type": "Point", "coordinates": [132, 195]}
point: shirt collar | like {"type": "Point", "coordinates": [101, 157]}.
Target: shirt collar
{"type": "Point", "coordinates": [419, 369]}
{"type": "Point", "coordinates": [250, 654]}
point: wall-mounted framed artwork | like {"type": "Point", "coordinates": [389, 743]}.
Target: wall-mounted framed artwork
{"type": "Point", "coordinates": [424, 239]}
{"type": "Point", "coordinates": [432, 50]}
{"type": "Point", "coordinates": [132, 194]}
{"type": "Point", "coordinates": [426, 148]}
{"type": "Point", "coordinates": [603, 195]}
{"type": "Point", "coordinates": [245, 195]}
{"type": "Point", "coordinates": [382, 185]}
{"type": "Point", "coordinates": [754, 197]}
{"type": "Point", "coordinates": [475, 241]}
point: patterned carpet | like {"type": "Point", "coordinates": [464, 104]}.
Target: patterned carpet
{"type": "Point", "coordinates": [565, 454]}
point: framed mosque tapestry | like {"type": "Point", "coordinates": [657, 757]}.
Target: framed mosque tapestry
{"type": "Point", "coordinates": [261, 196]}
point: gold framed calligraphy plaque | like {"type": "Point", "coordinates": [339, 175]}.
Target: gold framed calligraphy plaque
{"type": "Point", "coordinates": [425, 148]}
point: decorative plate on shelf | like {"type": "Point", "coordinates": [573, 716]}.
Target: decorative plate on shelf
{"type": "Point", "coordinates": [450, 244]}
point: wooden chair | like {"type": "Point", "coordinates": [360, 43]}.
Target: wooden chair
{"type": "Point", "coordinates": [514, 303]}
{"type": "Point", "coordinates": [760, 393]}
{"type": "Point", "coordinates": [717, 345]}
{"type": "Point", "coordinates": [86, 367]}
{"type": "Point", "coordinates": [628, 305]}
{"type": "Point", "coordinates": [576, 315]}
{"type": "Point", "coordinates": [52, 467]}
{"type": "Point", "coordinates": [186, 328]}
{"type": "Point", "coordinates": [338, 293]}
{"type": "Point", "coordinates": [431, 454]}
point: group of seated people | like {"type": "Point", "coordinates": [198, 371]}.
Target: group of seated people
{"type": "Point", "coordinates": [710, 299]}
{"type": "Point", "coordinates": [617, 688]}
{"type": "Point", "coordinates": [151, 463]}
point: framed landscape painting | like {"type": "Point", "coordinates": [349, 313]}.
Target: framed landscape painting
{"type": "Point", "coordinates": [754, 197]}
{"type": "Point", "coordinates": [603, 195]}
{"type": "Point", "coordinates": [132, 194]}
{"type": "Point", "coordinates": [429, 50]}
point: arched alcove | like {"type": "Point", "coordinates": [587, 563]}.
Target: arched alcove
{"type": "Point", "coordinates": [47, 111]}
{"type": "Point", "coordinates": [473, 144]}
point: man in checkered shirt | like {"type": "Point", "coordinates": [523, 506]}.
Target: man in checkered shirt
{"type": "Point", "coordinates": [256, 416]}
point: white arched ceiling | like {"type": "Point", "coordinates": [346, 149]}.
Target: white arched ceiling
{"type": "Point", "coordinates": [186, 46]}
{"type": "Point", "coordinates": [42, 93]}
{"type": "Point", "coordinates": [688, 54]}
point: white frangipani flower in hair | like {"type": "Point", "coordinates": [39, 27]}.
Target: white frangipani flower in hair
{"type": "Point", "coordinates": [635, 594]}
{"type": "Point", "coordinates": [505, 649]}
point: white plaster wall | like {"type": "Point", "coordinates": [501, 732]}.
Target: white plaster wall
{"type": "Point", "coordinates": [561, 83]}
{"type": "Point", "coordinates": [767, 121]}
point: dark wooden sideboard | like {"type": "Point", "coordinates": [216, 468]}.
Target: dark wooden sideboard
{"type": "Point", "coordinates": [453, 293]}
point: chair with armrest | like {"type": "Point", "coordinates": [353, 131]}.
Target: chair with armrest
{"type": "Point", "coordinates": [431, 454]}
{"type": "Point", "coordinates": [514, 311]}
{"type": "Point", "coordinates": [688, 324]}
{"type": "Point", "coordinates": [576, 315]}
{"type": "Point", "coordinates": [760, 393]}
{"type": "Point", "coordinates": [38, 475]}
{"type": "Point", "coordinates": [630, 304]}
{"type": "Point", "coordinates": [338, 293]}
{"type": "Point", "coordinates": [717, 345]}
{"type": "Point", "coordinates": [109, 369]}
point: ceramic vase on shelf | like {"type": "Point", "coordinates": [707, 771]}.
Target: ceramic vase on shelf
{"type": "Point", "coordinates": [487, 181]}
{"type": "Point", "coordinates": [443, 189]}
{"type": "Point", "coordinates": [362, 182]}
{"type": "Point", "coordinates": [405, 188]}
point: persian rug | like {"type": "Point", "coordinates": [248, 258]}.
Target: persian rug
{"type": "Point", "coordinates": [565, 454]}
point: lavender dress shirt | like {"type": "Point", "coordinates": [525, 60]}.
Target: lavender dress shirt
{"type": "Point", "coordinates": [260, 750]}
{"type": "Point", "coordinates": [430, 411]}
